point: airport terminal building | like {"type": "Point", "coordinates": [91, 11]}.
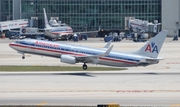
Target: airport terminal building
{"type": "Point", "coordinates": [84, 15]}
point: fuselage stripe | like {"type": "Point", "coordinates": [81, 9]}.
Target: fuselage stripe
{"type": "Point", "coordinates": [115, 60]}
{"type": "Point", "coordinates": [50, 50]}
{"type": "Point", "coordinates": [70, 53]}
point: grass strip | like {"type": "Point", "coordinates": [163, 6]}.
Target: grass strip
{"type": "Point", "coordinates": [56, 68]}
{"type": "Point", "coordinates": [42, 106]}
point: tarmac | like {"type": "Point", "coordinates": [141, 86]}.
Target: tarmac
{"type": "Point", "coordinates": [154, 85]}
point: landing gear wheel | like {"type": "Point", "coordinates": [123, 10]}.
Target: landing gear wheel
{"type": "Point", "coordinates": [84, 66]}
{"type": "Point", "coordinates": [23, 57]}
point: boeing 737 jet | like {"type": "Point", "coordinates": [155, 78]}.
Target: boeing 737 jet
{"type": "Point", "coordinates": [60, 30]}
{"type": "Point", "coordinates": [73, 54]}
{"type": "Point", "coordinates": [57, 31]}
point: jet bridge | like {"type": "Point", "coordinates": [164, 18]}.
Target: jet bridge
{"type": "Point", "coordinates": [138, 26]}
{"type": "Point", "coordinates": [141, 29]}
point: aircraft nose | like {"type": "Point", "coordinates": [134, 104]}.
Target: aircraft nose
{"type": "Point", "coordinates": [70, 28]}
{"type": "Point", "coordinates": [11, 44]}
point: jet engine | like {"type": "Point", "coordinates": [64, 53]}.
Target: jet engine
{"type": "Point", "coordinates": [68, 59]}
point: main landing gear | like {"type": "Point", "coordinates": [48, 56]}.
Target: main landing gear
{"type": "Point", "coordinates": [23, 57]}
{"type": "Point", "coordinates": [84, 66]}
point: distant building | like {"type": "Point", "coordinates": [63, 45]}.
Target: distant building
{"type": "Point", "coordinates": [171, 16]}
{"type": "Point", "coordinates": [89, 14]}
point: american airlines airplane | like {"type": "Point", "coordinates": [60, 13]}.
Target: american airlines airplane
{"type": "Point", "coordinates": [72, 54]}
{"type": "Point", "coordinates": [60, 30]}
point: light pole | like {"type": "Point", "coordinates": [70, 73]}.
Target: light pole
{"type": "Point", "coordinates": [177, 27]}
{"type": "Point", "coordinates": [9, 7]}
{"type": "Point", "coordinates": [32, 5]}
{"type": "Point", "coordinates": [86, 27]}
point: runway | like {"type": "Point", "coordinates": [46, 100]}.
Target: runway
{"type": "Point", "coordinates": [90, 88]}
{"type": "Point", "coordinates": [155, 85]}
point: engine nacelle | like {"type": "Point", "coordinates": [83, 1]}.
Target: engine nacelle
{"type": "Point", "coordinates": [68, 59]}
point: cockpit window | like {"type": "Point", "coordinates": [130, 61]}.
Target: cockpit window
{"type": "Point", "coordinates": [18, 42]}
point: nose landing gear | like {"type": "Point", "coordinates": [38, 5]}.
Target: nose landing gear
{"type": "Point", "coordinates": [84, 66]}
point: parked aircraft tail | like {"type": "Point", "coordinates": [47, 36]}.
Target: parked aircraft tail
{"type": "Point", "coordinates": [45, 19]}
{"type": "Point", "coordinates": [153, 47]}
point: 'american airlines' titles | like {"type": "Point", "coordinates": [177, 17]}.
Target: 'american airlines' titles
{"type": "Point", "coordinates": [47, 44]}
{"type": "Point", "coordinates": [152, 47]}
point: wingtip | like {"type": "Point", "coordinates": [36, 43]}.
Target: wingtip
{"type": "Point", "coordinates": [165, 31]}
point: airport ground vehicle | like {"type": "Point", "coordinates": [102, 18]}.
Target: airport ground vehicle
{"type": "Point", "coordinates": [77, 37]}
{"type": "Point", "coordinates": [139, 40]}
{"type": "Point", "coordinates": [12, 35]}
{"type": "Point", "coordinates": [112, 37]}
{"type": "Point", "coordinates": [13, 24]}
{"type": "Point", "coordinates": [18, 35]}
{"type": "Point", "coordinates": [175, 38]}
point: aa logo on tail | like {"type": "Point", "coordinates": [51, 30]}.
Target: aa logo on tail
{"type": "Point", "coordinates": [152, 47]}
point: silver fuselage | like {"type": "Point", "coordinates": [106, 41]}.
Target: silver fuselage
{"type": "Point", "coordinates": [57, 32]}
{"type": "Point", "coordinates": [54, 49]}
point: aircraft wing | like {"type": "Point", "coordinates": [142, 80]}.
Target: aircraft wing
{"type": "Point", "coordinates": [14, 30]}
{"type": "Point", "coordinates": [49, 34]}
{"type": "Point", "coordinates": [92, 58]}
{"type": "Point", "coordinates": [85, 32]}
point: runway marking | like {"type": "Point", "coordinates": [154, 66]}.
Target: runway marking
{"type": "Point", "coordinates": [161, 67]}
{"type": "Point", "coordinates": [173, 62]}
{"type": "Point", "coordinates": [135, 91]}
{"type": "Point", "coordinates": [42, 103]}
{"type": "Point", "coordinates": [116, 91]}
{"type": "Point", "coordinates": [37, 65]}
{"type": "Point", "coordinates": [168, 67]}
{"type": "Point", "coordinates": [175, 105]}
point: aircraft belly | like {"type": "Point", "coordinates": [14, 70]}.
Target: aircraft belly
{"type": "Point", "coordinates": [18, 48]}
{"type": "Point", "coordinates": [116, 64]}
{"type": "Point", "coordinates": [47, 53]}
{"type": "Point", "coordinates": [21, 49]}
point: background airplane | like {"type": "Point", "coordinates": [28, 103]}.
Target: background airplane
{"type": "Point", "coordinates": [72, 54]}
{"type": "Point", "coordinates": [56, 32]}
{"type": "Point", "coordinates": [59, 31]}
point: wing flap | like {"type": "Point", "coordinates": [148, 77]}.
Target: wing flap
{"type": "Point", "coordinates": [92, 58]}
{"type": "Point", "coordinates": [86, 32]}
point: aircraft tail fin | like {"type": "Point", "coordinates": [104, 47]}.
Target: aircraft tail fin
{"type": "Point", "coordinates": [153, 47]}
{"type": "Point", "coordinates": [45, 19]}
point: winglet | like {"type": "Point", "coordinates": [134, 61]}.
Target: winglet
{"type": "Point", "coordinates": [107, 52]}
{"type": "Point", "coordinates": [108, 44]}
